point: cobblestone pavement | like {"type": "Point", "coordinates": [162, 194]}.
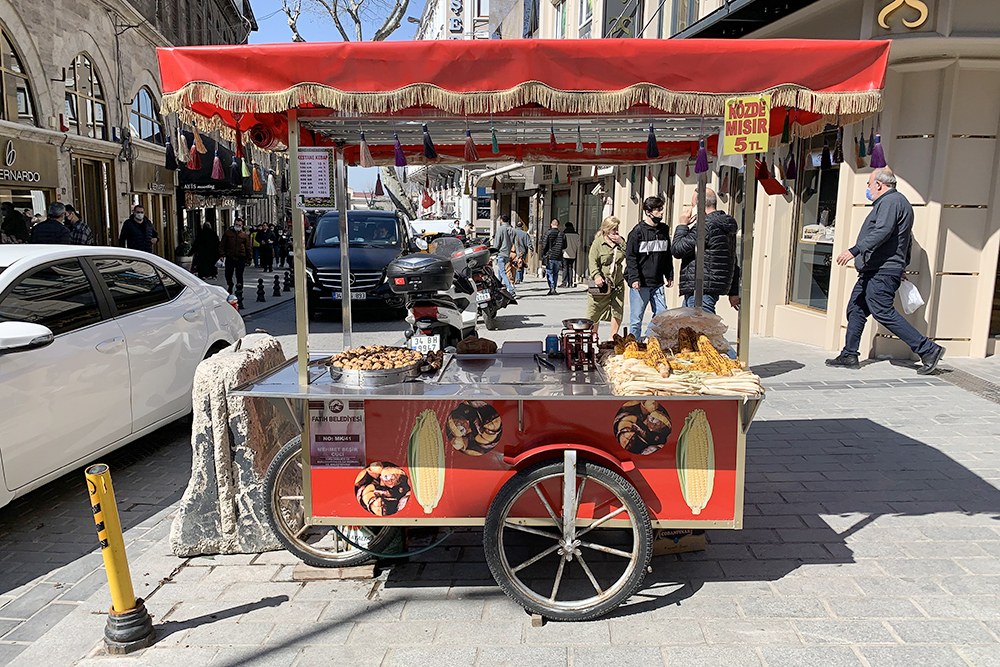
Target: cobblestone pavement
{"type": "Point", "coordinates": [872, 538]}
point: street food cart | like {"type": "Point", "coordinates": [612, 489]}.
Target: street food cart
{"type": "Point", "coordinates": [567, 476]}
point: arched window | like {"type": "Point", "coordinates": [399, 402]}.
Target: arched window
{"type": "Point", "coordinates": [86, 110]}
{"type": "Point", "coordinates": [145, 118]}
{"type": "Point", "coordinates": [16, 101]}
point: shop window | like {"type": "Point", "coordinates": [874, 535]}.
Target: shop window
{"type": "Point", "coordinates": [86, 109]}
{"type": "Point", "coordinates": [812, 246]}
{"type": "Point", "coordinates": [59, 297]}
{"type": "Point", "coordinates": [144, 118]}
{"type": "Point", "coordinates": [531, 8]}
{"type": "Point", "coordinates": [17, 104]}
{"type": "Point", "coordinates": [560, 32]}
{"type": "Point", "coordinates": [483, 8]}
{"type": "Point", "coordinates": [586, 18]}
{"type": "Point", "coordinates": [622, 18]}
{"type": "Point", "coordinates": [685, 13]}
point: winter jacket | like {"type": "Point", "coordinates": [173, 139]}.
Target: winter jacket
{"type": "Point", "coordinates": [884, 241]}
{"type": "Point", "coordinates": [50, 231]}
{"type": "Point", "coordinates": [504, 240]}
{"type": "Point", "coordinates": [15, 224]}
{"type": "Point", "coordinates": [235, 245]}
{"type": "Point", "coordinates": [522, 243]}
{"type": "Point", "coordinates": [553, 244]}
{"type": "Point", "coordinates": [722, 273]}
{"type": "Point", "coordinates": [137, 235]}
{"type": "Point", "coordinates": [572, 248]}
{"type": "Point", "coordinates": [647, 255]}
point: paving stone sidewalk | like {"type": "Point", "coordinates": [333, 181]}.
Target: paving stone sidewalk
{"type": "Point", "coordinates": [872, 538]}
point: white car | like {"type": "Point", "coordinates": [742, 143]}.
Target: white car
{"type": "Point", "coordinates": [98, 347]}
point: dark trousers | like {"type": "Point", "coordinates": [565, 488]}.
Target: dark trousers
{"type": "Point", "coordinates": [873, 295]}
{"type": "Point", "coordinates": [266, 258]}
{"type": "Point", "coordinates": [569, 277]}
{"type": "Point", "coordinates": [237, 266]}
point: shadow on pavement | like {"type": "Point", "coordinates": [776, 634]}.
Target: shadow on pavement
{"type": "Point", "coordinates": [774, 368]}
{"type": "Point", "coordinates": [167, 628]}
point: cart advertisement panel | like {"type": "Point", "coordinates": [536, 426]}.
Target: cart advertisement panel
{"type": "Point", "coordinates": [441, 460]}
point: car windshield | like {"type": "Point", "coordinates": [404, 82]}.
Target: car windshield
{"type": "Point", "coordinates": [364, 231]}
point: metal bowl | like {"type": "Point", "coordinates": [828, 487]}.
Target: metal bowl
{"type": "Point", "coordinates": [578, 324]}
{"type": "Point", "coordinates": [375, 377]}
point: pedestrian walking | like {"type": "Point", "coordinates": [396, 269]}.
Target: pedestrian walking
{"type": "Point", "coordinates": [282, 247]}
{"type": "Point", "coordinates": [206, 252]}
{"type": "Point", "coordinates": [52, 229]}
{"type": "Point", "coordinates": [79, 231]}
{"type": "Point", "coordinates": [504, 242]}
{"type": "Point", "coordinates": [267, 240]}
{"type": "Point", "coordinates": [15, 224]}
{"type": "Point", "coordinates": [137, 232]}
{"type": "Point", "coordinates": [255, 244]}
{"type": "Point", "coordinates": [881, 256]}
{"type": "Point", "coordinates": [648, 264]}
{"type": "Point", "coordinates": [605, 266]}
{"type": "Point", "coordinates": [553, 244]}
{"type": "Point", "coordinates": [570, 252]}
{"type": "Point", "coordinates": [523, 246]}
{"type": "Point", "coordinates": [236, 248]}
{"type": "Point", "coordinates": [721, 271]}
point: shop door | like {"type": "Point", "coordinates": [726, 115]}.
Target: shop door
{"type": "Point", "coordinates": [591, 207]}
{"type": "Point", "coordinates": [524, 210]}
{"type": "Point", "coordinates": [560, 208]}
{"type": "Point", "coordinates": [93, 180]}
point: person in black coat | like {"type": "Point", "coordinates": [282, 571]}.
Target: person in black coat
{"type": "Point", "coordinates": [138, 233]}
{"type": "Point", "coordinates": [553, 244]}
{"type": "Point", "coordinates": [648, 264]}
{"type": "Point", "coordinates": [52, 230]}
{"type": "Point", "coordinates": [14, 224]}
{"type": "Point", "coordinates": [722, 272]}
{"type": "Point", "coordinates": [206, 250]}
{"type": "Point", "coordinates": [267, 239]}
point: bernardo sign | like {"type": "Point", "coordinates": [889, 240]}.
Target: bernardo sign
{"type": "Point", "coordinates": [747, 120]}
{"type": "Point", "coordinates": [27, 164]}
{"type": "Point", "coordinates": [10, 173]}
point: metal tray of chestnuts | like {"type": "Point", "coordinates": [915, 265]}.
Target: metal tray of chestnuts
{"type": "Point", "coordinates": [389, 365]}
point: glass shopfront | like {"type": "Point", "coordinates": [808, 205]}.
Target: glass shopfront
{"type": "Point", "coordinates": [28, 175]}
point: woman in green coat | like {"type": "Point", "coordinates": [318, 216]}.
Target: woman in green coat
{"type": "Point", "coordinates": [606, 266]}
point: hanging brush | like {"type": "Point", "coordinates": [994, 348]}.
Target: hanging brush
{"type": "Point", "coordinates": [725, 181]}
{"type": "Point", "coordinates": [786, 131]}
{"type": "Point", "coordinates": [365, 158]}
{"type": "Point", "coordinates": [218, 174]}
{"type": "Point", "coordinates": [791, 165]}
{"type": "Point", "coordinates": [493, 140]}
{"type": "Point", "coordinates": [171, 160]}
{"type": "Point", "coordinates": [779, 165]}
{"type": "Point", "coordinates": [871, 140]}
{"type": "Point", "coordinates": [199, 145]}
{"type": "Point", "coordinates": [701, 164]}
{"type": "Point", "coordinates": [763, 173]}
{"type": "Point", "coordinates": [552, 137]}
{"type": "Point", "coordinates": [379, 190]}
{"type": "Point", "coordinates": [234, 173]}
{"type": "Point", "coordinates": [598, 150]}
{"type": "Point", "coordinates": [271, 190]}
{"type": "Point", "coordinates": [429, 151]}
{"type": "Point", "coordinates": [878, 153]}
{"type": "Point", "coordinates": [838, 148]}
{"type": "Point", "coordinates": [182, 147]}
{"type": "Point", "coordinates": [471, 154]}
{"type": "Point", "coordinates": [255, 178]}
{"type": "Point", "coordinates": [194, 159]}
{"type": "Point", "coordinates": [246, 168]}
{"type": "Point", "coordinates": [863, 152]}
{"type": "Point", "coordinates": [826, 161]}
{"type": "Point", "coordinates": [579, 140]}
{"type": "Point", "coordinates": [466, 190]}
{"type": "Point", "coordinates": [398, 149]}
{"type": "Point", "coordinates": [652, 150]}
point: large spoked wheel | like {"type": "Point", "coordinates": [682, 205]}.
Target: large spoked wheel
{"type": "Point", "coordinates": [587, 555]}
{"type": "Point", "coordinates": [318, 546]}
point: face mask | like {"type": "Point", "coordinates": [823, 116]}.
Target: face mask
{"type": "Point", "coordinates": [656, 219]}
{"type": "Point", "coordinates": [868, 194]}
{"type": "Point", "coordinates": [238, 229]}
{"type": "Point", "coordinates": [139, 216]}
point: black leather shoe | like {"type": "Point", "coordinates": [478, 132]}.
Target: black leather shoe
{"type": "Point", "coordinates": [845, 361]}
{"type": "Point", "coordinates": [930, 361]}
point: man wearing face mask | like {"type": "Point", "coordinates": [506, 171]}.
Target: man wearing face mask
{"type": "Point", "coordinates": [137, 232]}
{"type": "Point", "coordinates": [881, 256]}
{"type": "Point", "coordinates": [648, 264]}
{"type": "Point", "coordinates": [236, 248]}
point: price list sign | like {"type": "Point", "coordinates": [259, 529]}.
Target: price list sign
{"type": "Point", "coordinates": [316, 169]}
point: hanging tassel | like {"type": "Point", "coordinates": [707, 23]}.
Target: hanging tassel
{"type": "Point", "coordinates": [466, 191]}
{"type": "Point", "coordinates": [687, 170]}
{"type": "Point", "coordinates": [598, 150]}
{"type": "Point", "coordinates": [182, 147]}
{"type": "Point", "coordinates": [826, 161]}
{"type": "Point", "coordinates": [255, 178]}
{"type": "Point", "coordinates": [246, 169]}
{"type": "Point", "coordinates": [271, 190]}
{"type": "Point", "coordinates": [579, 140]}
{"type": "Point", "coordinates": [495, 185]}
{"type": "Point", "coordinates": [859, 161]}
{"type": "Point", "coordinates": [725, 182]}
{"type": "Point", "coordinates": [379, 190]}
{"type": "Point", "coordinates": [863, 151]}
{"type": "Point", "coordinates": [871, 141]}
{"type": "Point", "coordinates": [194, 159]}
{"type": "Point", "coordinates": [171, 159]}
{"type": "Point", "coordinates": [878, 153]}
{"type": "Point", "coordinates": [649, 174]}
{"type": "Point", "coordinates": [780, 166]}
{"type": "Point", "coordinates": [493, 139]}
{"type": "Point", "coordinates": [234, 173]}
{"type": "Point", "coordinates": [838, 148]}
{"type": "Point", "coordinates": [217, 172]}
{"type": "Point", "coordinates": [471, 154]}
{"type": "Point", "coordinates": [366, 154]}
{"type": "Point", "coordinates": [652, 150]}
{"type": "Point", "coordinates": [763, 173]}
{"type": "Point", "coordinates": [398, 147]}
{"type": "Point", "coordinates": [429, 151]}
{"type": "Point", "coordinates": [556, 180]}
{"type": "Point", "coordinates": [552, 137]}
{"type": "Point", "coordinates": [791, 166]}
{"type": "Point", "coordinates": [786, 131]}
{"type": "Point", "coordinates": [239, 144]}
{"type": "Point", "coordinates": [701, 164]}
{"type": "Point", "coordinates": [199, 145]}
{"type": "Point", "coordinates": [404, 175]}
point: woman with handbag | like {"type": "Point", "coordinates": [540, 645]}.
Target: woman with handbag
{"type": "Point", "coordinates": [606, 287]}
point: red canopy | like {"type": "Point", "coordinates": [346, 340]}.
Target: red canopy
{"type": "Point", "coordinates": [244, 86]}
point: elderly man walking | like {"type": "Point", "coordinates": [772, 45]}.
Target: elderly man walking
{"type": "Point", "coordinates": [881, 256]}
{"type": "Point", "coordinates": [722, 272]}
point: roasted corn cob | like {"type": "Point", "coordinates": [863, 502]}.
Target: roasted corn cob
{"type": "Point", "coordinates": [718, 363]}
{"type": "Point", "coordinates": [687, 339]}
{"type": "Point", "coordinates": [425, 456]}
{"type": "Point", "coordinates": [696, 461]}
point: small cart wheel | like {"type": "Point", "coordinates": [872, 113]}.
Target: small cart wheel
{"type": "Point", "coordinates": [319, 546]}
{"type": "Point", "coordinates": [568, 570]}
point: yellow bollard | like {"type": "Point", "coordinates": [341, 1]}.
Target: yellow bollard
{"type": "Point", "coordinates": [129, 626]}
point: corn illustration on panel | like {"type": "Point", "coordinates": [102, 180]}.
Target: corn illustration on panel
{"type": "Point", "coordinates": [696, 461]}
{"type": "Point", "coordinates": [425, 456]}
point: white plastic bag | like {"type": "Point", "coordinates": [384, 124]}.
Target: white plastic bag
{"type": "Point", "coordinates": [910, 297]}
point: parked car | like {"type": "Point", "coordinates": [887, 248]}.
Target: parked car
{"type": "Point", "coordinates": [376, 238]}
{"type": "Point", "coordinates": [98, 347]}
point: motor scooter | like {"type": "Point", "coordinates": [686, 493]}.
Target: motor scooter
{"type": "Point", "coordinates": [491, 295]}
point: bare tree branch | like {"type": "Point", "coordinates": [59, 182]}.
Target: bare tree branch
{"type": "Point", "coordinates": [392, 21]}
{"type": "Point", "coordinates": [332, 8]}
{"type": "Point", "coordinates": [356, 12]}
{"type": "Point", "coordinates": [292, 10]}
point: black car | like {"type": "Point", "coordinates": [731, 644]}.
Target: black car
{"type": "Point", "coordinates": [376, 238]}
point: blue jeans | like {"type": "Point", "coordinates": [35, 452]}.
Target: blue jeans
{"type": "Point", "coordinates": [502, 262]}
{"type": "Point", "coordinates": [638, 299]}
{"type": "Point", "coordinates": [256, 256]}
{"type": "Point", "coordinates": [873, 295]}
{"type": "Point", "coordinates": [552, 273]}
{"type": "Point", "coordinates": [708, 302]}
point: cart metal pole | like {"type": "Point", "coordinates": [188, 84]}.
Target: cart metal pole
{"type": "Point", "coordinates": [746, 261]}
{"type": "Point", "coordinates": [345, 246]}
{"type": "Point", "coordinates": [299, 251]}
{"type": "Point", "coordinates": [699, 255]}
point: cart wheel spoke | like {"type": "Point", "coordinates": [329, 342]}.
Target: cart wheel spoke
{"type": "Point", "coordinates": [302, 530]}
{"type": "Point", "coordinates": [590, 575]}
{"type": "Point", "coordinates": [545, 502]}
{"type": "Point", "coordinates": [291, 498]}
{"type": "Point", "coordinates": [607, 550]}
{"type": "Point", "coordinates": [526, 529]}
{"type": "Point", "coordinates": [600, 522]}
{"type": "Point", "coordinates": [559, 574]}
{"type": "Point", "coordinates": [532, 561]}
{"type": "Point", "coordinates": [579, 491]}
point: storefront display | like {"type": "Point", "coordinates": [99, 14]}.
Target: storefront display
{"type": "Point", "coordinates": [28, 174]}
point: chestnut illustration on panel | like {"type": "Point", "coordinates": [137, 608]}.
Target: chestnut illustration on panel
{"type": "Point", "coordinates": [642, 427]}
{"type": "Point", "coordinates": [382, 488]}
{"type": "Point", "coordinates": [474, 427]}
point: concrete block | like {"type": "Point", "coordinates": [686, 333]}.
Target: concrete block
{"type": "Point", "coordinates": [565, 634]}
{"type": "Point", "coordinates": [943, 632]}
{"type": "Point", "coordinates": [874, 607]}
{"type": "Point", "coordinates": [436, 610]}
{"type": "Point", "coordinates": [716, 656]}
{"type": "Point", "coordinates": [810, 656]}
{"type": "Point", "coordinates": [920, 567]}
{"type": "Point", "coordinates": [697, 607]}
{"type": "Point", "coordinates": [980, 656]}
{"type": "Point", "coordinates": [341, 610]}
{"type": "Point", "coordinates": [393, 634]}
{"type": "Point", "coordinates": [980, 607]}
{"type": "Point", "coordinates": [519, 656]}
{"type": "Point", "coordinates": [752, 633]}
{"type": "Point", "coordinates": [229, 634]}
{"type": "Point", "coordinates": [644, 631]}
{"type": "Point", "coordinates": [589, 656]}
{"type": "Point", "coordinates": [439, 656]}
{"type": "Point", "coordinates": [291, 633]}
{"type": "Point", "coordinates": [345, 656]}
{"type": "Point", "coordinates": [783, 608]}
{"type": "Point", "coordinates": [28, 604]}
{"type": "Point", "coordinates": [907, 656]}
{"type": "Point", "coordinates": [40, 623]}
{"type": "Point", "coordinates": [303, 572]}
{"type": "Point", "coordinates": [844, 632]}
{"type": "Point", "coordinates": [480, 633]}
{"type": "Point", "coordinates": [269, 656]}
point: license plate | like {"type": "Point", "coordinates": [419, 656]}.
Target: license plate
{"type": "Point", "coordinates": [482, 296]}
{"type": "Point", "coordinates": [426, 344]}
{"type": "Point", "coordinates": [355, 296]}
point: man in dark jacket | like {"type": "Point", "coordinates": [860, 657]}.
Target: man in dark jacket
{"type": "Point", "coordinates": [722, 273]}
{"type": "Point", "coordinates": [52, 230]}
{"type": "Point", "coordinates": [237, 249]}
{"type": "Point", "coordinates": [880, 256]}
{"type": "Point", "coordinates": [14, 223]}
{"type": "Point", "coordinates": [648, 264]}
{"type": "Point", "coordinates": [553, 244]}
{"type": "Point", "coordinates": [138, 233]}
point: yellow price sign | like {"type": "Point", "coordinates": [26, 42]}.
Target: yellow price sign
{"type": "Point", "coordinates": [747, 120]}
